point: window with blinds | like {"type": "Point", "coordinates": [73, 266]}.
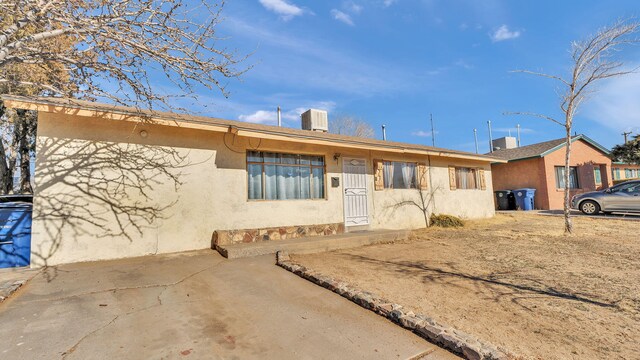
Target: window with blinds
{"type": "Point", "coordinates": [399, 175]}
{"type": "Point", "coordinates": [278, 176]}
{"type": "Point", "coordinates": [466, 178]}
{"type": "Point", "coordinates": [573, 177]}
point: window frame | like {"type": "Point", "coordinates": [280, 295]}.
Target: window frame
{"type": "Point", "coordinates": [597, 173]}
{"type": "Point", "coordinates": [476, 177]}
{"type": "Point", "coordinates": [577, 177]}
{"type": "Point", "coordinates": [415, 182]}
{"type": "Point", "coordinates": [310, 166]}
{"type": "Point", "coordinates": [616, 174]}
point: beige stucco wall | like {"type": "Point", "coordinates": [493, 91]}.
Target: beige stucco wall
{"type": "Point", "coordinates": [468, 204]}
{"type": "Point", "coordinates": [103, 191]}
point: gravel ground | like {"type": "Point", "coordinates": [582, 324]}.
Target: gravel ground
{"type": "Point", "coordinates": [515, 281]}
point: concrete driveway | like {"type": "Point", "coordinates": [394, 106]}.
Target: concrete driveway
{"type": "Point", "coordinates": [193, 305]}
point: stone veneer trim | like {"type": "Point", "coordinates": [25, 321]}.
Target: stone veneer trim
{"type": "Point", "coordinates": [228, 237]}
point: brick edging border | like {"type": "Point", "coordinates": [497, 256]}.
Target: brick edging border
{"type": "Point", "coordinates": [456, 341]}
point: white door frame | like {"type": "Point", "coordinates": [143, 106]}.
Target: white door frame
{"type": "Point", "coordinates": [364, 219]}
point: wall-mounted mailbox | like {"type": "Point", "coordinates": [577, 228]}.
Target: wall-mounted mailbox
{"type": "Point", "coordinates": [335, 182]}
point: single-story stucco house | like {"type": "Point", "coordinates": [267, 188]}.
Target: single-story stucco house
{"type": "Point", "coordinates": [114, 182]}
{"type": "Point", "coordinates": [541, 166]}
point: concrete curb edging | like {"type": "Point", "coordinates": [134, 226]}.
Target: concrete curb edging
{"type": "Point", "coordinates": [456, 341]}
{"type": "Point", "coordinates": [9, 288]}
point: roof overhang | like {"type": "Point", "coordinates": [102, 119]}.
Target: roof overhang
{"type": "Point", "coordinates": [118, 113]}
{"type": "Point", "coordinates": [582, 137]}
{"type": "Point", "coordinates": [518, 159]}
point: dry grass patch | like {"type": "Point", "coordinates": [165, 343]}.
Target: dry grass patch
{"type": "Point", "coordinates": [515, 281]}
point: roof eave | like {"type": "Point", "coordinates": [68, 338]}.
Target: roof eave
{"type": "Point", "coordinates": [575, 138]}
{"type": "Point", "coordinates": [521, 159]}
{"type": "Point", "coordinates": [20, 102]}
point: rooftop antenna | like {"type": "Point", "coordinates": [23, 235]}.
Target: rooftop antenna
{"type": "Point", "coordinates": [475, 136]}
{"type": "Point", "coordinates": [518, 127]}
{"type": "Point", "coordinates": [490, 137]}
{"type": "Point", "coordinates": [279, 118]}
{"type": "Point", "coordinates": [384, 132]}
{"type": "Point", "coordinates": [625, 134]}
{"type": "Point", "coordinates": [433, 133]}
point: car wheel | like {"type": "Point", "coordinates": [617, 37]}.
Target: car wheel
{"type": "Point", "coordinates": [589, 207]}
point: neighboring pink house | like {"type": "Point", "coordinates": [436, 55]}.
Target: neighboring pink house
{"type": "Point", "coordinates": [623, 171]}
{"type": "Point", "coordinates": [541, 166]}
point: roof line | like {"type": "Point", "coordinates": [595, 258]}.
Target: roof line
{"type": "Point", "coordinates": [521, 159]}
{"type": "Point", "coordinates": [175, 117]}
{"type": "Point", "coordinates": [578, 137]}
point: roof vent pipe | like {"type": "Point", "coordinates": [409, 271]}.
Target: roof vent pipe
{"type": "Point", "coordinates": [475, 136]}
{"type": "Point", "coordinates": [384, 132]}
{"type": "Point", "coordinates": [279, 117]}
{"type": "Point", "coordinates": [433, 132]}
{"type": "Point", "coordinates": [490, 137]}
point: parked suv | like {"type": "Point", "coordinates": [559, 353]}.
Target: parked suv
{"type": "Point", "coordinates": [624, 197]}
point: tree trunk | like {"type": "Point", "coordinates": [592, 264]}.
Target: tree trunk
{"type": "Point", "coordinates": [568, 224]}
{"type": "Point", "coordinates": [6, 176]}
{"type": "Point", "coordinates": [24, 126]}
{"type": "Point", "coordinates": [425, 212]}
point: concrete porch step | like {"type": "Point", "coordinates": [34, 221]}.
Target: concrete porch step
{"type": "Point", "coordinates": [315, 244]}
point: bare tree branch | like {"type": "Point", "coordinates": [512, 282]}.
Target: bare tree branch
{"type": "Point", "coordinates": [534, 115]}
{"type": "Point", "coordinates": [119, 44]}
{"type": "Point", "coordinates": [351, 126]}
{"type": "Point", "coordinates": [592, 62]}
{"type": "Point", "coordinates": [541, 74]}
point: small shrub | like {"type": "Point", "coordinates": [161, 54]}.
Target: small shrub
{"type": "Point", "coordinates": [446, 221]}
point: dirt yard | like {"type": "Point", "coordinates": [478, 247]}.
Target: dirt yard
{"type": "Point", "coordinates": [514, 281]}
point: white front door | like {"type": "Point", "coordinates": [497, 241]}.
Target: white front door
{"type": "Point", "coordinates": [354, 180]}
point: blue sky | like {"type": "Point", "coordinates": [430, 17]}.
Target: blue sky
{"type": "Point", "coordinates": [395, 62]}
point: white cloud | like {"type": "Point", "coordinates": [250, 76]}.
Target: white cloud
{"type": "Point", "coordinates": [341, 16]}
{"type": "Point", "coordinates": [422, 133]}
{"type": "Point", "coordinates": [290, 58]}
{"type": "Point", "coordinates": [352, 7]}
{"type": "Point", "coordinates": [443, 69]}
{"type": "Point", "coordinates": [503, 33]}
{"type": "Point", "coordinates": [292, 116]}
{"type": "Point", "coordinates": [437, 71]}
{"type": "Point", "coordinates": [616, 104]}
{"type": "Point", "coordinates": [388, 3]}
{"type": "Point", "coordinates": [463, 64]}
{"type": "Point", "coordinates": [282, 8]}
{"type": "Point", "coordinates": [260, 117]}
